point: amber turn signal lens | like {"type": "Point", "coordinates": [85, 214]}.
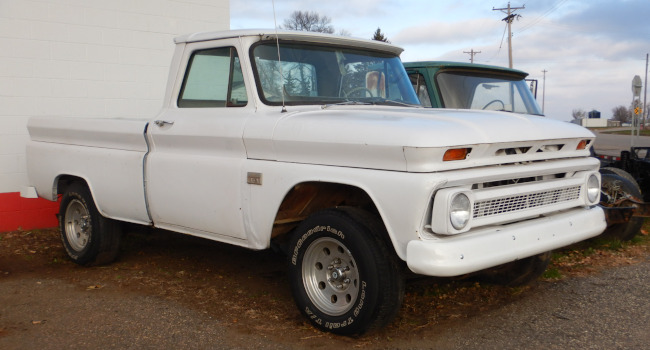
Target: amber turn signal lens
{"type": "Point", "coordinates": [582, 145]}
{"type": "Point", "coordinates": [455, 154]}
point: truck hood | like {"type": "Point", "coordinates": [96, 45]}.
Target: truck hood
{"type": "Point", "coordinates": [399, 139]}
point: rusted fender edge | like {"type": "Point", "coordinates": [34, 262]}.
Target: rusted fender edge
{"type": "Point", "coordinates": [628, 208]}
{"type": "Point", "coordinates": [618, 215]}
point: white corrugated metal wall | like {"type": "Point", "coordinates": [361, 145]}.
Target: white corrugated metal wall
{"type": "Point", "coordinates": [86, 58]}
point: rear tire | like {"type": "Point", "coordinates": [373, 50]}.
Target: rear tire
{"type": "Point", "coordinates": [88, 237]}
{"type": "Point", "coordinates": [344, 278]}
{"type": "Point", "coordinates": [613, 189]}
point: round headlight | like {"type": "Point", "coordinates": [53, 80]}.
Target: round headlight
{"type": "Point", "coordinates": [593, 189]}
{"type": "Point", "coordinates": [460, 211]}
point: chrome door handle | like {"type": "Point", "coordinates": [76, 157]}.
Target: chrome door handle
{"type": "Point", "coordinates": [162, 123]}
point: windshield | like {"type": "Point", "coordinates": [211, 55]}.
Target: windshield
{"type": "Point", "coordinates": [314, 74]}
{"type": "Point", "coordinates": [467, 90]}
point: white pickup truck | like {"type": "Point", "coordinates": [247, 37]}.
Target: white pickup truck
{"type": "Point", "coordinates": [319, 144]}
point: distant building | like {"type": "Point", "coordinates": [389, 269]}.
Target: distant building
{"type": "Point", "coordinates": [594, 114]}
{"type": "Point", "coordinates": [594, 122]}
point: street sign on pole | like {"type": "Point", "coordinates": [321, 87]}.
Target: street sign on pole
{"type": "Point", "coordinates": [637, 85]}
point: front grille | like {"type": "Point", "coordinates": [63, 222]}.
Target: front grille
{"type": "Point", "coordinates": [525, 201]}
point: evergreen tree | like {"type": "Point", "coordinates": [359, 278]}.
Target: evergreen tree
{"type": "Point", "coordinates": [379, 36]}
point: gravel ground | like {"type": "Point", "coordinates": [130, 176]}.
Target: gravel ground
{"type": "Point", "coordinates": [610, 310]}
{"type": "Point", "coordinates": [155, 298]}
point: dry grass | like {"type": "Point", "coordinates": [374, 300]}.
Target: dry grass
{"type": "Point", "coordinates": [249, 290]}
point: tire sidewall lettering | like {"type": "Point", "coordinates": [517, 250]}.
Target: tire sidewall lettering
{"type": "Point", "coordinates": [313, 316]}
{"type": "Point", "coordinates": [362, 298]}
{"type": "Point", "coordinates": [309, 233]}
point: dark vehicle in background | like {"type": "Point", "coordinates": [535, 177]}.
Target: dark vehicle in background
{"type": "Point", "coordinates": [635, 162]}
{"type": "Point", "coordinates": [626, 180]}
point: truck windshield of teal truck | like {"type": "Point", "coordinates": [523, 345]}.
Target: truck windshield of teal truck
{"type": "Point", "coordinates": [465, 90]}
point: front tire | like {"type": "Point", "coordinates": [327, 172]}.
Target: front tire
{"type": "Point", "coordinates": [88, 237]}
{"type": "Point", "coordinates": [343, 276]}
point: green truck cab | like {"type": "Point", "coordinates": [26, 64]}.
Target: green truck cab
{"type": "Point", "coordinates": [441, 84]}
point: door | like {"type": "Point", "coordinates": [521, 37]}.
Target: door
{"type": "Point", "coordinates": [193, 171]}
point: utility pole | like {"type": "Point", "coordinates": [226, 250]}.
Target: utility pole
{"type": "Point", "coordinates": [471, 54]}
{"type": "Point", "coordinates": [644, 110]}
{"type": "Point", "coordinates": [637, 85]}
{"type": "Point", "coordinates": [543, 89]}
{"type": "Point", "coordinates": [510, 12]}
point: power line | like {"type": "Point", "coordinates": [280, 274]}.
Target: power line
{"type": "Point", "coordinates": [500, 45]}
{"type": "Point", "coordinates": [548, 12]}
{"type": "Point", "coordinates": [510, 12]}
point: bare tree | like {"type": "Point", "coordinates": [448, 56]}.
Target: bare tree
{"type": "Point", "coordinates": [344, 32]}
{"type": "Point", "coordinates": [578, 114]}
{"type": "Point", "coordinates": [309, 21]}
{"type": "Point", "coordinates": [379, 36]}
{"type": "Point", "coordinates": [621, 113]}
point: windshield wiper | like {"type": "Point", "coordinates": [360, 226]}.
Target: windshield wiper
{"type": "Point", "coordinates": [372, 101]}
{"type": "Point", "coordinates": [395, 103]}
{"type": "Point", "coordinates": [347, 103]}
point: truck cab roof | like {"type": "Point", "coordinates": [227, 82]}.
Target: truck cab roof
{"type": "Point", "coordinates": [289, 35]}
{"type": "Point", "coordinates": [439, 65]}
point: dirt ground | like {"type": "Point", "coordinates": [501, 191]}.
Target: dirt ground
{"type": "Point", "coordinates": [228, 296]}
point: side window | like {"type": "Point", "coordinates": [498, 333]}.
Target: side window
{"type": "Point", "coordinates": [420, 87]}
{"type": "Point", "coordinates": [213, 79]}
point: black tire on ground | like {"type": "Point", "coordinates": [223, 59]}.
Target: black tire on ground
{"type": "Point", "coordinates": [517, 273]}
{"type": "Point", "coordinates": [88, 237]}
{"type": "Point", "coordinates": [344, 277]}
{"type": "Point", "coordinates": [613, 187]}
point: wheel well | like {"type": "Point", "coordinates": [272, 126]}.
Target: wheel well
{"type": "Point", "coordinates": [307, 198]}
{"type": "Point", "coordinates": [63, 181]}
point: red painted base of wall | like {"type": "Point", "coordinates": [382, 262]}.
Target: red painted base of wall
{"type": "Point", "coordinates": [26, 213]}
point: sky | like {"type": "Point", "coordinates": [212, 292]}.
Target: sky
{"type": "Point", "coordinates": [591, 49]}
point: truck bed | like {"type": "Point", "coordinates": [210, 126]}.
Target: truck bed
{"type": "Point", "coordinates": [60, 145]}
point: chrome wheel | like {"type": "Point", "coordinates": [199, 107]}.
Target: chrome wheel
{"type": "Point", "coordinates": [330, 276]}
{"type": "Point", "coordinates": [77, 225]}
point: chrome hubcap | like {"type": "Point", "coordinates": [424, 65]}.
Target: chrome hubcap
{"type": "Point", "coordinates": [77, 225]}
{"type": "Point", "coordinates": [330, 276]}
